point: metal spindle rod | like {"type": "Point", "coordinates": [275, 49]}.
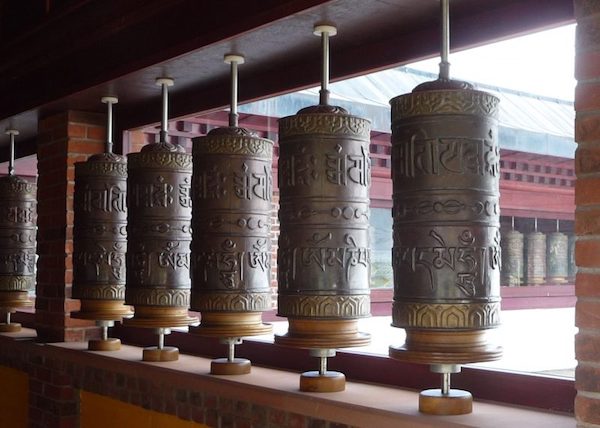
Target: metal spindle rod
{"type": "Point", "coordinates": [445, 40]}
{"type": "Point", "coordinates": [323, 366]}
{"type": "Point", "coordinates": [164, 83]}
{"type": "Point", "coordinates": [11, 158]}
{"type": "Point", "coordinates": [557, 225]}
{"type": "Point", "coordinates": [325, 31]}
{"type": "Point", "coordinates": [104, 332]}
{"type": "Point", "coordinates": [535, 224]}
{"type": "Point", "coordinates": [512, 222]}
{"type": "Point", "coordinates": [231, 353]}
{"type": "Point", "coordinates": [7, 318]}
{"type": "Point", "coordinates": [445, 383]}
{"type": "Point", "coordinates": [109, 101]}
{"type": "Point", "coordinates": [234, 60]}
{"type": "Point", "coordinates": [161, 340]}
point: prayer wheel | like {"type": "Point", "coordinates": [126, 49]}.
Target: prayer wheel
{"type": "Point", "coordinates": [536, 258]}
{"type": "Point", "coordinates": [557, 258]}
{"type": "Point", "coordinates": [232, 190]}
{"type": "Point", "coordinates": [17, 241]}
{"type": "Point", "coordinates": [159, 237]}
{"type": "Point", "coordinates": [512, 273]}
{"type": "Point", "coordinates": [446, 230]}
{"type": "Point", "coordinates": [100, 239]}
{"type": "Point", "coordinates": [324, 252]}
{"type": "Point", "coordinates": [572, 264]}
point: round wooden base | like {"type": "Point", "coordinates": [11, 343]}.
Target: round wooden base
{"type": "Point", "coordinates": [168, 353]}
{"type": "Point", "coordinates": [231, 324]}
{"type": "Point", "coordinates": [110, 344]}
{"type": "Point", "coordinates": [222, 366]}
{"type": "Point", "coordinates": [13, 327]}
{"type": "Point", "coordinates": [456, 402]}
{"type": "Point", "coordinates": [329, 382]}
{"type": "Point", "coordinates": [160, 317]}
{"type": "Point", "coordinates": [323, 334]}
{"type": "Point", "coordinates": [102, 310]}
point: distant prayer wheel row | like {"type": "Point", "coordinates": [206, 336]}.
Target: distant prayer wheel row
{"type": "Point", "coordinates": [537, 258]}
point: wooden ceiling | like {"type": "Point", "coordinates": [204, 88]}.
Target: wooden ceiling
{"type": "Point", "coordinates": [71, 55]}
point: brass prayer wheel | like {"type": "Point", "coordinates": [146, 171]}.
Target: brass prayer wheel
{"type": "Point", "coordinates": [446, 252]}
{"type": "Point", "coordinates": [324, 253]}
{"type": "Point", "coordinates": [17, 241]}
{"type": "Point", "coordinates": [232, 190]}
{"type": "Point", "coordinates": [159, 234]}
{"type": "Point", "coordinates": [512, 273]}
{"type": "Point", "coordinates": [100, 237]}
{"type": "Point", "coordinates": [536, 258]}
{"type": "Point", "coordinates": [557, 258]}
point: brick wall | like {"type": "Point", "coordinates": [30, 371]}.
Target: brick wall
{"type": "Point", "coordinates": [587, 199]}
{"type": "Point", "coordinates": [63, 139]}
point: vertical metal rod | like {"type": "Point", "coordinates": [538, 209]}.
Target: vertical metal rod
{"type": "Point", "coordinates": [165, 113]}
{"type": "Point", "coordinates": [109, 129]}
{"type": "Point", "coordinates": [231, 353]}
{"type": "Point", "coordinates": [323, 366]}
{"type": "Point", "coordinates": [161, 340]}
{"type": "Point", "coordinates": [512, 222]}
{"type": "Point", "coordinates": [445, 40]}
{"type": "Point", "coordinates": [557, 225]}
{"type": "Point", "coordinates": [233, 111]}
{"type": "Point", "coordinates": [535, 224]}
{"type": "Point", "coordinates": [445, 383]}
{"type": "Point", "coordinates": [104, 332]}
{"type": "Point", "coordinates": [7, 318]}
{"type": "Point", "coordinates": [11, 158]}
{"type": "Point", "coordinates": [324, 92]}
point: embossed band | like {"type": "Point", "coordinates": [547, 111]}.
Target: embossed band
{"type": "Point", "coordinates": [117, 169]}
{"type": "Point", "coordinates": [157, 297]}
{"type": "Point", "coordinates": [12, 184]}
{"type": "Point", "coordinates": [446, 315]}
{"type": "Point", "coordinates": [99, 292]}
{"type": "Point", "coordinates": [234, 145]}
{"type": "Point", "coordinates": [339, 124]}
{"type": "Point", "coordinates": [240, 302]}
{"type": "Point", "coordinates": [16, 282]}
{"type": "Point", "coordinates": [444, 102]}
{"type": "Point", "coordinates": [325, 306]}
{"type": "Point", "coordinates": [160, 159]}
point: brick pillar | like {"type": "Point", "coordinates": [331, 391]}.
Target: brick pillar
{"type": "Point", "coordinates": [63, 139]}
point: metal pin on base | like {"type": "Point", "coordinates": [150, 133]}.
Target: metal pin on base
{"type": "Point", "coordinates": [445, 401]}
{"type": "Point", "coordinates": [9, 327]}
{"type": "Point", "coordinates": [104, 343]}
{"type": "Point", "coordinates": [322, 380]}
{"type": "Point", "coordinates": [161, 352]}
{"type": "Point", "coordinates": [230, 365]}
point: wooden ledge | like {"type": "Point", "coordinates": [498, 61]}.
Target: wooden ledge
{"type": "Point", "coordinates": [362, 405]}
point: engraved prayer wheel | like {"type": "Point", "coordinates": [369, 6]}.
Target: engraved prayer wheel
{"type": "Point", "coordinates": [513, 270]}
{"type": "Point", "coordinates": [17, 242]}
{"type": "Point", "coordinates": [324, 252]}
{"type": "Point", "coordinates": [557, 258]}
{"type": "Point", "coordinates": [536, 258]}
{"type": "Point", "coordinates": [159, 236]}
{"type": "Point", "coordinates": [446, 251]}
{"type": "Point", "coordinates": [100, 237]}
{"type": "Point", "coordinates": [572, 264]}
{"type": "Point", "coordinates": [232, 190]}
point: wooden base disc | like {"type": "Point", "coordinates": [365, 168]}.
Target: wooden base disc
{"type": "Point", "coordinates": [323, 334]}
{"type": "Point", "coordinates": [222, 366]}
{"type": "Point", "coordinates": [168, 353]}
{"type": "Point", "coordinates": [329, 382]}
{"type": "Point", "coordinates": [13, 327]}
{"type": "Point", "coordinates": [102, 310]}
{"type": "Point", "coordinates": [456, 402]}
{"type": "Point", "coordinates": [231, 324]}
{"type": "Point", "coordinates": [110, 344]}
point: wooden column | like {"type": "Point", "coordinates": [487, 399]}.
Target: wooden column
{"type": "Point", "coordinates": [64, 138]}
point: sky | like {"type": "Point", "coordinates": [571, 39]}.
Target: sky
{"type": "Point", "coordinates": [541, 63]}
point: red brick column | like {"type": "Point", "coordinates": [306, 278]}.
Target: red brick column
{"type": "Point", "coordinates": [63, 139]}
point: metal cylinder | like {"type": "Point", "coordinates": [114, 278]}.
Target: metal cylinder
{"type": "Point", "coordinates": [446, 251]}
{"type": "Point", "coordinates": [536, 258]}
{"type": "Point", "coordinates": [324, 252]}
{"type": "Point", "coordinates": [513, 267]}
{"type": "Point", "coordinates": [557, 258]}
{"type": "Point", "coordinates": [159, 236]}
{"type": "Point", "coordinates": [572, 264]}
{"type": "Point", "coordinates": [232, 189]}
{"type": "Point", "coordinates": [100, 237]}
{"type": "Point", "coordinates": [17, 241]}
